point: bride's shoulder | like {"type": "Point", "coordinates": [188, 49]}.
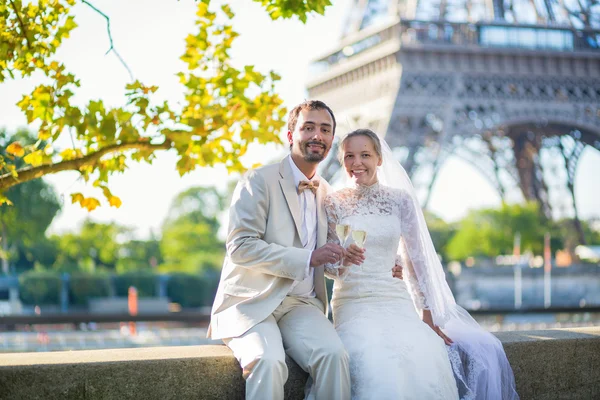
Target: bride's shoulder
{"type": "Point", "coordinates": [391, 191]}
{"type": "Point", "coordinates": [395, 193]}
{"type": "Point", "coordinates": [338, 194]}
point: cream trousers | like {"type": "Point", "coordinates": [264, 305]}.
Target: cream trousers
{"type": "Point", "coordinates": [299, 328]}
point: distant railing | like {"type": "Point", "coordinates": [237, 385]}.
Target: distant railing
{"type": "Point", "coordinates": [204, 317]}
{"type": "Point", "coordinates": [481, 34]}
{"type": "Point", "coordinates": [81, 318]}
{"type": "Point", "coordinates": [528, 37]}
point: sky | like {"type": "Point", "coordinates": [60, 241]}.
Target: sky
{"type": "Point", "coordinates": [149, 35]}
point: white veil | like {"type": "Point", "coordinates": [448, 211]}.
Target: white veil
{"type": "Point", "coordinates": [480, 366]}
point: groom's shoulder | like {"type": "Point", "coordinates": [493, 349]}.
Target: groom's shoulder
{"type": "Point", "coordinates": [262, 173]}
{"type": "Point", "coordinates": [264, 170]}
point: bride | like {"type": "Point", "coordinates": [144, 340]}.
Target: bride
{"type": "Point", "coordinates": [394, 354]}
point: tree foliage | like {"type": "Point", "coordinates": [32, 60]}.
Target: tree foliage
{"type": "Point", "coordinates": [441, 232]}
{"type": "Point", "coordinates": [189, 241]}
{"type": "Point", "coordinates": [491, 232]}
{"type": "Point", "coordinates": [95, 246]}
{"type": "Point", "coordinates": [225, 109]}
{"type": "Point", "coordinates": [39, 287]}
{"type": "Point", "coordinates": [24, 223]}
{"type": "Point", "coordinates": [139, 255]}
{"type": "Point", "coordinates": [86, 286]}
{"type": "Point", "coordinates": [289, 8]}
{"type": "Point", "coordinates": [566, 228]}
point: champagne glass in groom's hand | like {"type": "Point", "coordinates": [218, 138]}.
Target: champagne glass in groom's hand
{"type": "Point", "coordinates": [343, 231]}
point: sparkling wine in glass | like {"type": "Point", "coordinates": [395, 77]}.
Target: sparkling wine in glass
{"type": "Point", "coordinates": [343, 231]}
{"type": "Point", "coordinates": [359, 237]}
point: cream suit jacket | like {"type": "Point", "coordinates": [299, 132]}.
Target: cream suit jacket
{"type": "Point", "coordinates": [264, 250]}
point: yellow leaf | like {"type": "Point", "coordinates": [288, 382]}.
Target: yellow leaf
{"type": "Point", "coordinates": [70, 154]}
{"type": "Point", "coordinates": [202, 9]}
{"type": "Point", "coordinates": [35, 159]}
{"type": "Point", "coordinates": [13, 170]}
{"type": "Point", "coordinates": [76, 198]}
{"type": "Point", "coordinates": [114, 201]}
{"type": "Point", "coordinates": [5, 200]}
{"type": "Point", "coordinates": [44, 134]}
{"type": "Point", "coordinates": [90, 203]}
{"type": "Point", "coordinates": [15, 149]}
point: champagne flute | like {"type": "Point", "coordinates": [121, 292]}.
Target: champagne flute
{"type": "Point", "coordinates": [343, 231]}
{"type": "Point", "coordinates": [359, 237]}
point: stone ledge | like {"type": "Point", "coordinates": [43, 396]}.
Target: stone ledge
{"type": "Point", "coordinates": [556, 363]}
{"type": "Point", "coordinates": [549, 364]}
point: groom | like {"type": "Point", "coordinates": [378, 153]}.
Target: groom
{"type": "Point", "coordinates": [271, 298]}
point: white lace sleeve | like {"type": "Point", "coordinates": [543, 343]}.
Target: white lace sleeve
{"type": "Point", "coordinates": [332, 271]}
{"type": "Point", "coordinates": [410, 251]}
{"type": "Point", "coordinates": [408, 271]}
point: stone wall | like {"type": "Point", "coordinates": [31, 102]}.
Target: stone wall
{"type": "Point", "coordinates": [549, 364]}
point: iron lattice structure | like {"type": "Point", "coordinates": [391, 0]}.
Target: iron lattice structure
{"type": "Point", "coordinates": [510, 86]}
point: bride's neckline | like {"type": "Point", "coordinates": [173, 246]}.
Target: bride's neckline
{"type": "Point", "coordinates": [366, 189]}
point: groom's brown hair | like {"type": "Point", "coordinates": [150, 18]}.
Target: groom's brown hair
{"type": "Point", "coordinates": [308, 105]}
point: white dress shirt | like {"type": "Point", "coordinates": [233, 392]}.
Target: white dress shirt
{"type": "Point", "coordinates": [308, 215]}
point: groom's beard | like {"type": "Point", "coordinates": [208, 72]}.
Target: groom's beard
{"type": "Point", "coordinates": [311, 157]}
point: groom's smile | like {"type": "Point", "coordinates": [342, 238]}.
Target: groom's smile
{"type": "Point", "coordinates": [315, 146]}
{"type": "Point", "coordinates": [312, 137]}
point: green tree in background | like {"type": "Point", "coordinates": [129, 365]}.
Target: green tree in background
{"type": "Point", "coordinates": [566, 229]}
{"type": "Point", "coordinates": [189, 240]}
{"type": "Point", "coordinates": [39, 287]}
{"type": "Point", "coordinates": [224, 110]}
{"type": "Point", "coordinates": [139, 255]}
{"type": "Point", "coordinates": [491, 232]}
{"type": "Point", "coordinates": [95, 246]}
{"type": "Point", "coordinates": [24, 223]}
{"type": "Point", "coordinates": [441, 233]}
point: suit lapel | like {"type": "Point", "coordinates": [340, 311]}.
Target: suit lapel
{"type": "Point", "coordinates": [290, 192]}
{"type": "Point", "coordinates": [320, 289]}
{"type": "Point", "coordinates": [321, 216]}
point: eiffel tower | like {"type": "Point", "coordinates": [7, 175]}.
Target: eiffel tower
{"type": "Point", "coordinates": [497, 83]}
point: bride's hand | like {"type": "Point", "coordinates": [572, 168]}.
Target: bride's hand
{"type": "Point", "coordinates": [428, 319]}
{"type": "Point", "coordinates": [397, 270]}
{"type": "Point", "coordinates": [354, 255]}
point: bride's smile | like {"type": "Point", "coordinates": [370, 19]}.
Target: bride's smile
{"type": "Point", "coordinates": [361, 160]}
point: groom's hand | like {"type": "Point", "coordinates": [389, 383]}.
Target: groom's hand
{"type": "Point", "coordinates": [331, 253]}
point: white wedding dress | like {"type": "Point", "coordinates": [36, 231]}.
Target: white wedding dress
{"type": "Point", "coordinates": [393, 354]}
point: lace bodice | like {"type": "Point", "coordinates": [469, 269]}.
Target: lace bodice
{"type": "Point", "coordinates": [388, 217]}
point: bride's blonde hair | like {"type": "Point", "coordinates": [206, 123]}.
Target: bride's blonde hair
{"type": "Point", "coordinates": [360, 132]}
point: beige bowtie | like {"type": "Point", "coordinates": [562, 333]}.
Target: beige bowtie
{"type": "Point", "coordinates": [312, 185]}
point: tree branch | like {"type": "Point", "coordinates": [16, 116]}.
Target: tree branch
{"type": "Point", "coordinates": [30, 173]}
{"type": "Point", "coordinates": [112, 47]}
{"type": "Point", "coordinates": [21, 24]}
